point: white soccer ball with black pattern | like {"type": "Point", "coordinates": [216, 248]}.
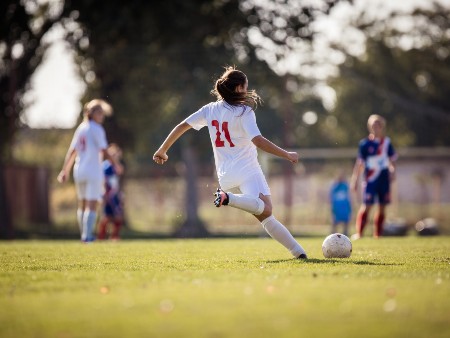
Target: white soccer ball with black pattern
{"type": "Point", "coordinates": [337, 246]}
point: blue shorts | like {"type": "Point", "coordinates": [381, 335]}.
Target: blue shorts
{"type": "Point", "coordinates": [378, 190]}
{"type": "Point", "coordinates": [113, 206]}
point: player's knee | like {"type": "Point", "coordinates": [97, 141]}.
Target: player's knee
{"type": "Point", "coordinates": [267, 212]}
{"type": "Point", "coordinates": [365, 207]}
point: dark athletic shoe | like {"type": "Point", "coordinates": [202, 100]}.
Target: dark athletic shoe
{"type": "Point", "coordinates": [302, 256]}
{"type": "Point", "coordinates": [221, 198]}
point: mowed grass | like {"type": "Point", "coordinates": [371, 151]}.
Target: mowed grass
{"type": "Point", "coordinates": [392, 287]}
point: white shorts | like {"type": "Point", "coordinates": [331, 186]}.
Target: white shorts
{"type": "Point", "coordinates": [253, 186]}
{"type": "Point", "coordinates": [91, 190]}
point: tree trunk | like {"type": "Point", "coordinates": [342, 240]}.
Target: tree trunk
{"type": "Point", "coordinates": [288, 137]}
{"type": "Point", "coordinates": [193, 226]}
{"type": "Point", "coordinates": [6, 229]}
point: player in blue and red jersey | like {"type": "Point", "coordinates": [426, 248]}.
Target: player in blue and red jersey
{"type": "Point", "coordinates": [112, 199]}
{"type": "Point", "coordinates": [376, 155]}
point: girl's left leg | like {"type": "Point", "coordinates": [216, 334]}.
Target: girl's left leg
{"type": "Point", "coordinates": [101, 234]}
{"type": "Point", "coordinates": [89, 220]}
{"type": "Point", "coordinates": [379, 221]}
{"type": "Point", "coordinates": [118, 221]}
{"type": "Point", "coordinates": [278, 231]}
{"type": "Point", "coordinates": [345, 228]}
{"type": "Point", "coordinates": [80, 214]}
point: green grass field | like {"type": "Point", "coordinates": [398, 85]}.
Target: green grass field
{"type": "Point", "coordinates": [392, 287]}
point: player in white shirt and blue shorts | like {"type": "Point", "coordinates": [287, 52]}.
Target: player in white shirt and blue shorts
{"type": "Point", "coordinates": [87, 150]}
{"type": "Point", "coordinates": [235, 137]}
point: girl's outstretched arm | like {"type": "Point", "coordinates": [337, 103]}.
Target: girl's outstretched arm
{"type": "Point", "coordinates": [160, 155]}
{"type": "Point", "coordinates": [264, 144]}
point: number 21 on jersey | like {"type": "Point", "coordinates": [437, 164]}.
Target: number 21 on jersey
{"type": "Point", "coordinates": [219, 142]}
{"type": "Point", "coordinates": [82, 143]}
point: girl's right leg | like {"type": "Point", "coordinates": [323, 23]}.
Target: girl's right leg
{"type": "Point", "coordinates": [251, 204]}
{"type": "Point", "coordinates": [116, 228]}
{"type": "Point", "coordinates": [80, 214]}
{"type": "Point", "coordinates": [249, 199]}
{"type": "Point", "coordinates": [89, 220]}
{"type": "Point", "coordinates": [82, 204]}
{"type": "Point", "coordinates": [379, 221]}
{"type": "Point", "coordinates": [94, 190]}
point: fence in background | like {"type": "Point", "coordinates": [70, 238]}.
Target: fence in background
{"type": "Point", "coordinates": [300, 197]}
{"type": "Point", "coordinates": [26, 191]}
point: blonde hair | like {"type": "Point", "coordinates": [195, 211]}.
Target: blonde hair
{"type": "Point", "coordinates": [373, 118]}
{"type": "Point", "coordinates": [95, 105]}
{"type": "Point", "coordinates": [114, 150]}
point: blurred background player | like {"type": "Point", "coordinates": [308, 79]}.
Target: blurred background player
{"type": "Point", "coordinates": [87, 150]}
{"type": "Point", "coordinates": [376, 155]}
{"type": "Point", "coordinates": [341, 208]}
{"type": "Point", "coordinates": [112, 198]}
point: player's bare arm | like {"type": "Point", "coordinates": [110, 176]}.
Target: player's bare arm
{"type": "Point", "coordinates": [359, 165]}
{"type": "Point", "coordinates": [264, 144]}
{"type": "Point", "coordinates": [160, 155]}
{"type": "Point", "coordinates": [392, 171]}
{"type": "Point", "coordinates": [68, 162]}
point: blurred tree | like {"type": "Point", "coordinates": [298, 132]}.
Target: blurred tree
{"type": "Point", "coordinates": [281, 34]}
{"type": "Point", "coordinates": [403, 75]}
{"type": "Point", "coordinates": [22, 27]}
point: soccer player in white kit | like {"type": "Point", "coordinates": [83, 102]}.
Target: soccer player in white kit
{"type": "Point", "coordinates": [235, 137]}
{"type": "Point", "coordinates": [87, 149]}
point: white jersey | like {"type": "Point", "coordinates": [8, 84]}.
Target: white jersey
{"type": "Point", "coordinates": [89, 140]}
{"type": "Point", "coordinates": [231, 129]}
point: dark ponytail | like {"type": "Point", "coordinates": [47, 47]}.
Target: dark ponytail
{"type": "Point", "coordinates": [225, 89]}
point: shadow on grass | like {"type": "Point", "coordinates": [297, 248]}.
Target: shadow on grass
{"type": "Point", "coordinates": [331, 261]}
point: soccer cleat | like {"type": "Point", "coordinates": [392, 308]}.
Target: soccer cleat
{"type": "Point", "coordinates": [221, 198]}
{"type": "Point", "coordinates": [302, 256]}
{"type": "Point", "coordinates": [355, 237]}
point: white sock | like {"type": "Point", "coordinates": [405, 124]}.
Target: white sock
{"type": "Point", "coordinates": [278, 231]}
{"type": "Point", "coordinates": [253, 205]}
{"type": "Point", "coordinates": [80, 213]}
{"type": "Point", "coordinates": [89, 220]}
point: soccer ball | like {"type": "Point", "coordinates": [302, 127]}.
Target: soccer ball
{"type": "Point", "coordinates": [337, 246]}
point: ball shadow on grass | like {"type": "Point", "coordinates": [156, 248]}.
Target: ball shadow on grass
{"type": "Point", "coordinates": [331, 261]}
